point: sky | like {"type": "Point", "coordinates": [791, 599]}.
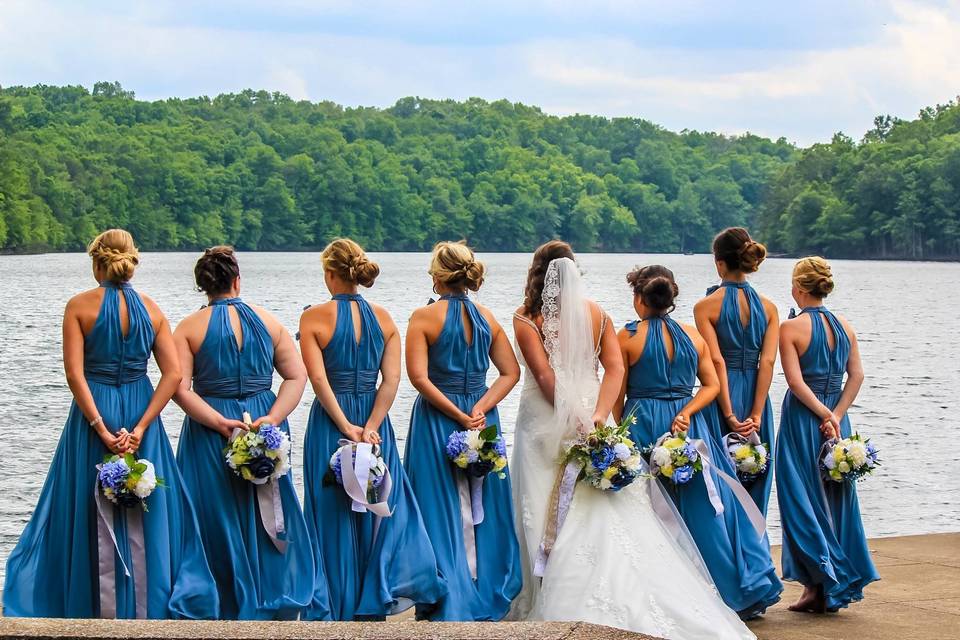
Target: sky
{"type": "Point", "coordinates": [802, 69]}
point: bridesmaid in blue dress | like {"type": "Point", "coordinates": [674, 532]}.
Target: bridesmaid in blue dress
{"type": "Point", "coordinates": [742, 330]}
{"type": "Point", "coordinates": [108, 336]}
{"type": "Point", "coordinates": [228, 351]}
{"type": "Point", "coordinates": [664, 360]}
{"type": "Point", "coordinates": [449, 348]}
{"type": "Point", "coordinates": [824, 546]}
{"type": "Point", "coordinates": [372, 569]}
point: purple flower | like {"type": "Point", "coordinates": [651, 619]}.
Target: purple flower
{"type": "Point", "coordinates": [682, 475]}
{"type": "Point", "coordinates": [480, 468]}
{"type": "Point", "coordinates": [500, 447]}
{"type": "Point", "coordinates": [272, 436]}
{"type": "Point", "coordinates": [337, 470]}
{"type": "Point", "coordinates": [690, 452]}
{"type": "Point", "coordinates": [113, 474]}
{"type": "Point", "coordinates": [456, 444]}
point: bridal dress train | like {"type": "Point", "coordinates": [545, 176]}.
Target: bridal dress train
{"type": "Point", "coordinates": [622, 559]}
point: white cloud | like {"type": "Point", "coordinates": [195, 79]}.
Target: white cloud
{"type": "Point", "coordinates": [728, 81]}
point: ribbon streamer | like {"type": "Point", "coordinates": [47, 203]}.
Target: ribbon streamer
{"type": "Point", "coordinates": [560, 499]}
{"type": "Point", "coordinates": [470, 491]}
{"type": "Point", "coordinates": [269, 502]}
{"type": "Point", "coordinates": [743, 497]}
{"type": "Point", "coordinates": [356, 476]}
{"type": "Point", "coordinates": [106, 559]}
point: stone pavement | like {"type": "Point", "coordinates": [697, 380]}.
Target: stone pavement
{"type": "Point", "coordinates": [918, 597]}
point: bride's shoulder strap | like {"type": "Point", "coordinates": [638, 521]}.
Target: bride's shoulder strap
{"type": "Point", "coordinates": [604, 319]}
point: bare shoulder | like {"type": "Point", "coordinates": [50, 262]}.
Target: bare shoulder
{"type": "Point", "coordinates": [693, 333]}
{"type": "Point", "coordinates": [846, 325]}
{"type": "Point", "coordinates": [383, 316]}
{"type": "Point", "coordinates": [152, 307]}
{"type": "Point", "coordinates": [769, 307]}
{"type": "Point", "coordinates": [318, 312]}
{"type": "Point", "coordinates": [488, 315]}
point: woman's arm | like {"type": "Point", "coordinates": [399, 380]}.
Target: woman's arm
{"type": "Point", "coordinates": [623, 337]}
{"type": "Point", "coordinates": [538, 364]}
{"type": "Point", "coordinates": [709, 387]}
{"type": "Point", "coordinates": [503, 358]}
{"type": "Point", "coordinates": [790, 361]}
{"type": "Point", "coordinates": [854, 375]}
{"type": "Point", "coordinates": [165, 353]}
{"type": "Point", "coordinates": [287, 362]}
{"type": "Point", "coordinates": [188, 399]}
{"type": "Point", "coordinates": [768, 360]}
{"type": "Point", "coordinates": [389, 379]}
{"type": "Point", "coordinates": [73, 369]}
{"type": "Point", "coordinates": [317, 372]}
{"type": "Point", "coordinates": [417, 354]}
{"type": "Point", "coordinates": [709, 333]}
{"type": "Point", "coordinates": [613, 367]}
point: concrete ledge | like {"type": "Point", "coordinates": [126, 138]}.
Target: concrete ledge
{"type": "Point", "coordinates": [42, 628]}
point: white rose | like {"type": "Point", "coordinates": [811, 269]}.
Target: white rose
{"type": "Point", "coordinates": [633, 463]}
{"type": "Point", "coordinates": [473, 439]}
{"type": "Point", "coordinates": [147, 482]}
{"type": "Point", "coordinates": [605, 484]}
{"type": "Point", "coordinates": [843, 467]}
{"type": "Point", "coordinates": [858, 453]}
{"type": "Point", "coordinates": [762, 451]}
{"type": "Point", "coordinates": [661, 456]}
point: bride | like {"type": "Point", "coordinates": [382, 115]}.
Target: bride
{"type": "Point", "coordinates": [622, 559]}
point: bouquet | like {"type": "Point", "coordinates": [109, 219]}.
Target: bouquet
{"type": "Point", "coordinates": [259, 456]}
{"type": "Point", "coordinates": [674, 458]}
{"type": "Point", "coordinates": [609, 458]}
{"type": "Point", "coordinates": [127, 481]}
{"type": "Point", "coordinates": [478, 452]}
{"type": "Point", "coordinates": [377, 472]}
{"type": "Point", "coordinates": [749, 456]}
{"type": "Point", "coordinates": [849, 458]}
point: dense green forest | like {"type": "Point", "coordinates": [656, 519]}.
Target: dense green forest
{"type": "Point", "coordinates": [262, 171]}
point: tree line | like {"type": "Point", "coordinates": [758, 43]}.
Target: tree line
{"type": "Point", "coordinates": [264, 172]}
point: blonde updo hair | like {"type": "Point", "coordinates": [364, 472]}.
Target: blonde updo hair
{"type": "Point", "coordinates": [114, 254]}
{"type": "Point", "coordinates": [346, 259]}
{"type": "Point", "coordinates": [455, 265]}
{"type": "Point", "coordinates": [812, 275]}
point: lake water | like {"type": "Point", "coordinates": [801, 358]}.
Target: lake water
{"type": "Point", "coordinates": [905, 315]}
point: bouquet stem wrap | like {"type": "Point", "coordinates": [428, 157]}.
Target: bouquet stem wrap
{"type": "Point", "coordinates": [560, 499]}
{"type": "Point", "coordinates": [355, 478]}
{"type": "Point", "coordinates": [743, 497]}
{"type": "Point", "coordinates": [270, 506]}
{"type": "Point", "coordinates": [470, 490]}
{"type": "Point", "coordinates": [107, 544]}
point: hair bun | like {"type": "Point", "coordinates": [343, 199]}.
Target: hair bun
{"type": "Point", "coordinates": [454, 264]}
{"type": "Point", "coordinates": [347, 260]}
{"type": "Point", "coordinates": [216, 270]}
{"type": "Point", "coordinates": [814, 276]}
{"type": "Point", "coordinates": [115, 254]}
{"type": "Point", "coordinates": [658, 293]}
{"type": "Point", "coordinates": [751, 254]}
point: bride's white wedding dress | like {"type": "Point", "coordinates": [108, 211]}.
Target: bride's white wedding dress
{"type": "Point", "coordinates": [615, 561]}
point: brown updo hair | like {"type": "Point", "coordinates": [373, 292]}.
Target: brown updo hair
{"type": "Point", "coordinates": [455, 265]}
{"type": "Point", "coordinates": [655, 286]}
{"type": "Point", "coordinates": [812, 275]}
{"type": "Point", "coordinates": [734, 247]}
{"type": "Point", "coordinates": [542, 257]}
{"type": "Point", "coordinates": [347, 260]}
{"type": "Point", "coordinates": [216, 270]}
{"type": "Point", "coordinates": [114, 254]}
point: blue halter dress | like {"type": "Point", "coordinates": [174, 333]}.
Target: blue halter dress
{"type": "Point", "coordinates": [657, 389]}
{"type": "Point", "coordinates": [372, 571]}
{"type": "Point", "coordinates": [459, 370]}
{"type": "Point", "coordinates": [52, 572]}
{"type": "Point", "coordinates": [823, 539]}
{"type": "Point", "coordinates": [741, 346]}
{"type": "Point", "coordinates": [255, 580]}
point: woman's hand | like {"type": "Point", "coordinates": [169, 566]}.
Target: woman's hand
{"type": "Point", "coordinates": [226, 426]}
{"type": "Point", "coordinates": [370, 435]}
{"type": "Point", "coordinates": [134, 438]}
{"type": "Point", "coordinates": [744, 427]}
{"type": "Point", "coordinates": [681, 424]}
{"type": "Point", "coordinates": [757, 420]}
{"type": "Point", "coordinates": [353, 433]}
{"type": "Point", "coordinates": [830, 426]}
{"type": "Point", "coordinates": [267, 419]}
{"type": "Point", "coordinates": [115, 442]}
{"type": "Point", "coordinates": [472, 422]}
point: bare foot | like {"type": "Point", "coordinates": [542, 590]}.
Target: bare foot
{"type": "Point", "coordinates": [812, 601]}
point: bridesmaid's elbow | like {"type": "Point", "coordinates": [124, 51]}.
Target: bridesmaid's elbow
{"type": "Point", "coordinates": [711, 392]}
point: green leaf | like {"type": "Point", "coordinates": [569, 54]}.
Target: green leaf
{"type": "Point", "coordinates": [129, 459]}
{"type": "Point", "coordinates": [489, 434]}
{"type": "Point", "coordinates": [139, 468]}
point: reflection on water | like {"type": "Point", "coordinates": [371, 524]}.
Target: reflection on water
{"type": "Point", "coordinates": [903, 313]}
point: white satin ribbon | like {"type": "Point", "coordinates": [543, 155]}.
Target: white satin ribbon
{"type": "Point", "coordinates": [106, 563]}
{"type": "Point", "coordinates": [269, 502]}
{"type": "Point", "coordinates": [357, 475]}
{"type": "Point", "coordinates": [470, 492]}
{"type": "Point", "coordinates": [566, 484]}
{"type": "Point", "coordinates": [743, 497]}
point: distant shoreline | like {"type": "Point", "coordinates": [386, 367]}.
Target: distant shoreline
{"type": "Point", "coordinates": [786, 256]}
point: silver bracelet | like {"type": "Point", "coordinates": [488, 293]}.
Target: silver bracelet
{"type": "Point", "coordinates": [95, 422]}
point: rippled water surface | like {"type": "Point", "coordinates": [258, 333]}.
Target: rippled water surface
{"type": "Point", "coordinates": [903, 313]}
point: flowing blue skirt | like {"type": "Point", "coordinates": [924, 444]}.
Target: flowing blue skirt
{"type": "Point", "coordinates": [368, 576]}
{"type": "Point", "coordinates": [742, 385]}
{"type": "Point", "coordinates": [255, 581]}
{"type": "Point", "coordinates": [434, 484]}
{"type": "Point", "coordinates": [823, 539]}
{"type": "Point", "coordinates": [736, 557]}
{"type": "Point", "coordinates": [53, 570]}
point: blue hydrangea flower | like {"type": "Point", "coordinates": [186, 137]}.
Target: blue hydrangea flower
{"type": "Point", "coordinates": [603, 458]}
{"type": "Point", "coordinates": [456, 443]}
{"type": "Point", "coordinates": [113, 474]}
{"type": "Point", "coordinates": [272, 436]}
{"type": "Point", "coordinates": [337, 470]}
{"type": "Point", "coordinates": [472, 456]}
{"type": "Point", "coordinates": [690, 452]}
{"type": "Point", "coordinates": [682, 474]}
{"type": "Point", "coordinates": [500, 447]}
{"type": "Point", "coordinates": [621, 450]}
